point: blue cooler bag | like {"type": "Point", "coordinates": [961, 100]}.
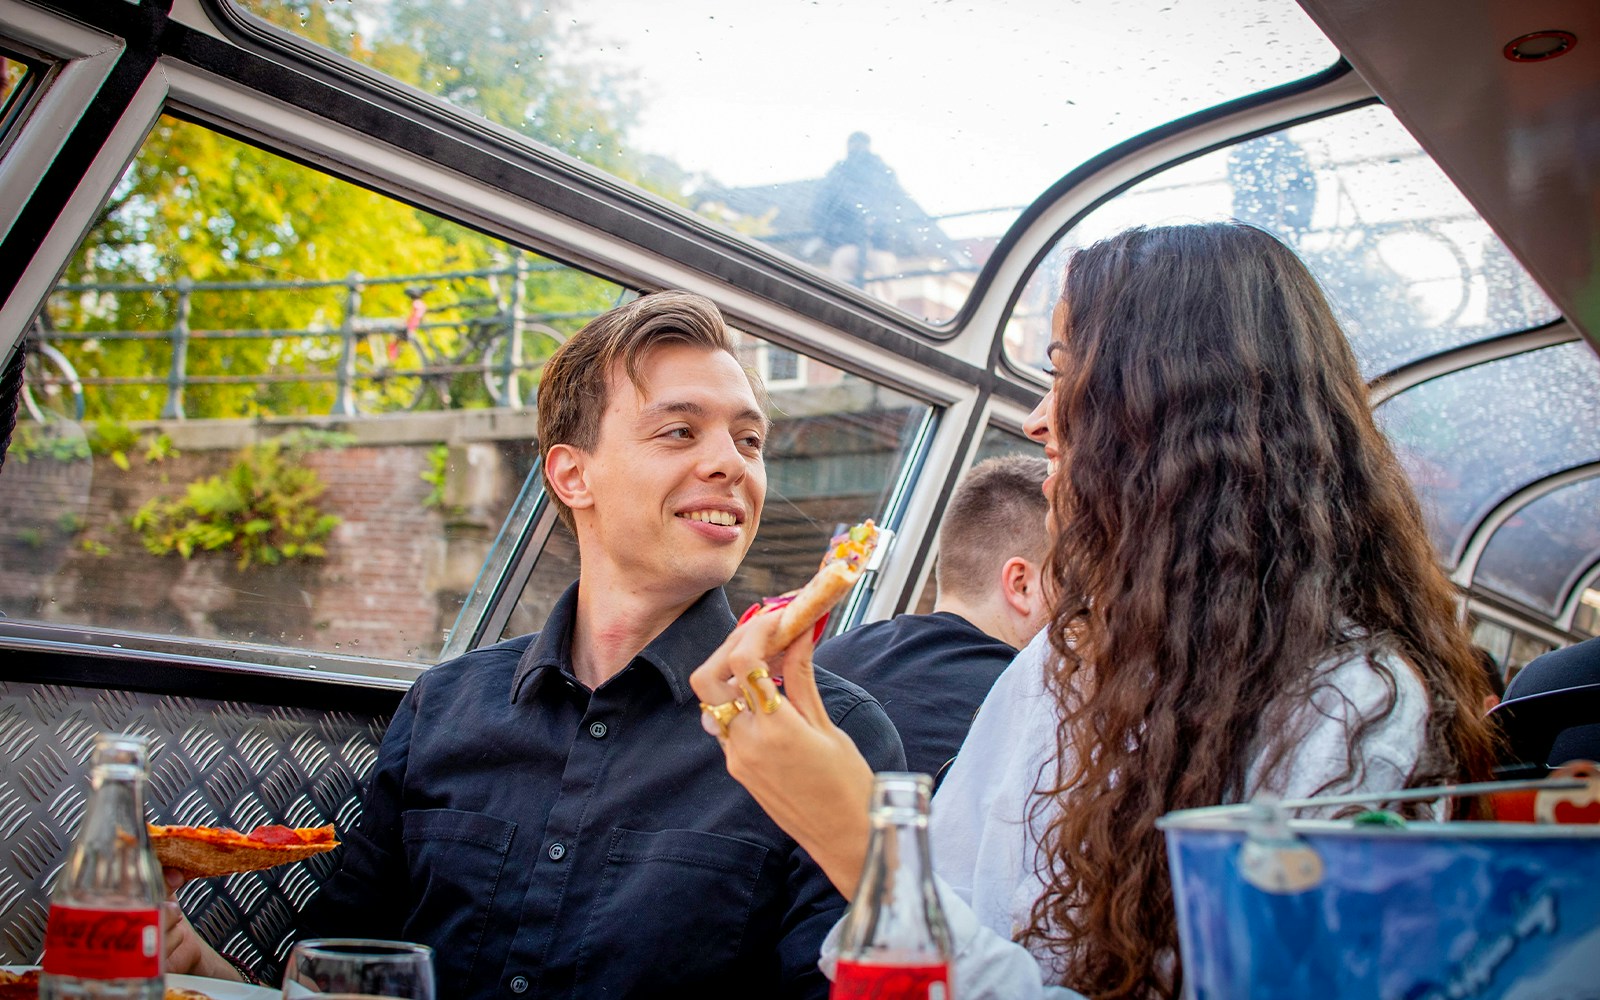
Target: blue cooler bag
{"type": "Point", "coordinates": [1270, 908]}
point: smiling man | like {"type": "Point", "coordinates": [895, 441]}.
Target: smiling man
{"type": "Point", "coordinates": [547, 812]}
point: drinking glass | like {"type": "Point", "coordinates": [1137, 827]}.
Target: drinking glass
{"type": "Point", "coordinates": [352, 968]}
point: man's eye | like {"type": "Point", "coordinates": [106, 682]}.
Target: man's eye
{"type": "Point", "coordinates": [751, 441]}
{"type": "Point", "coordinates": [678, 433]}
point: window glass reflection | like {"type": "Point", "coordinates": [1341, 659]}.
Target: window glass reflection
{"type": "Point", "coordinates": [996, 441]}
{"type": "Point", "coordinates": [272, 408]}
{"type": "Point", "coordinates": [17, 75]}
{"type": "Point", "coordinates": [1587, 619]}
{"type": "Point", "coordinates": [862, 139]}
{"type": "Point", "coordinates": [1407, 262]}
{"type": "Point", "coordinates": [1540, 553]}
{"type": "Point", "coordinates": [1472, 438]}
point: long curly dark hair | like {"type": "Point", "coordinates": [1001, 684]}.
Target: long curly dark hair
{"type": "Point", "coordinates": [1229, 518]}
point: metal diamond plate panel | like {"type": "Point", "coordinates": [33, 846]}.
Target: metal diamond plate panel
{"type": "Point", "coordinates": [212, 763]}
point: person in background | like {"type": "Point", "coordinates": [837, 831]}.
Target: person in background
{"type": "Point", "coordinates": [1575, 666]}
{"type": "Point", "coordinates": [1245, 601]}
{"type": "Point", "coordinates": [545, 813]}
{"type": "Point", "coordinates": [931, 672]}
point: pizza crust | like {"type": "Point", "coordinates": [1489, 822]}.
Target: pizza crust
{"type": "Point", "coordinates": [811, 602]}
{"type": "Point", "coordinates": [200, 858]}
{"type": "Point", "coordinates": [847, 558]}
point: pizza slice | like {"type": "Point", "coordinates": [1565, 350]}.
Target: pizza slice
{"type": "Point", "coordinates": [203, 851]}
{"type": "Point", "coordinates": [807, 608]}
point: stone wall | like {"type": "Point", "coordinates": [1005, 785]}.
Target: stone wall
{"type": "Point", "coordinates": [389, 585]}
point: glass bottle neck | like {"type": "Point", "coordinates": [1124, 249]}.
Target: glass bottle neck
{"type": "Point", "coordinates": [895, 917]}
{"type": "Point", "coordinates": [110, 862]}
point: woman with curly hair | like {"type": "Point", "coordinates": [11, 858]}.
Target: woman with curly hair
{"type": "Point", "coordinates": [1245, 603]}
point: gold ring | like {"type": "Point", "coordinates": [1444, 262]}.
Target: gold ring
{"type": "Point", "coordinates": [768, 705]}
{"type": "Point", "coordinates": [724, 713]}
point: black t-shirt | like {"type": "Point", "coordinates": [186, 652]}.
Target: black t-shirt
{"type": "Point", "coordinates": [929, 672]}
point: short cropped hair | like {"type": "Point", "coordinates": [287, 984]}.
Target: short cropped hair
{"type": "Point", "coordinates": [573, 389]}
{"type": "Point", "coordinates": [997, 513]}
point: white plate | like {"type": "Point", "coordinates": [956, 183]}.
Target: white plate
{"type": "Point", "coordinates": [222, 989]}
{"type": "Point", "coordinates": [216, 989]}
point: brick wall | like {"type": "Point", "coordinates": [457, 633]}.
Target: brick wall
{"type": "Point", "coordinates": [68, 556]}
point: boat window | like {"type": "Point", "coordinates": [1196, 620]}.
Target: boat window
{"type": "Point", "coordinates": [17, 77]}
{"type": "Point", "coordinates": [1410, 266]}
{"type": "Point", "coordinates": [1587, 617]}
{"type": "Point", "coordinates": [1531, 558]}
{"type": "Point", "coordinates": [996, 441]}
{"type": "Point", "coordinates": [269, 407]}
{"type": "Point", "coordinates": [876, 154]}
{"type": "Point", "coordinates": [1524, 648]}
{"type": "Point", "coordinates": [833, 457]}
{"type": "Point", "coordinates": [1470, 439]}
{"type": "Point", "coordinates": [1494, 639]}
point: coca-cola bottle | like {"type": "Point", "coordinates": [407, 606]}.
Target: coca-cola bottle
{"type": "Point", "coordinates": [103, 938]}
{"type": "Point", "coordinates": [894, 944]}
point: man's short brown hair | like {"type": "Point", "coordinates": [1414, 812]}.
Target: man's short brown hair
{"type": "Point", "coordinates": [997, 513]}
{"type": "Point", "coordinates": [573, 390]}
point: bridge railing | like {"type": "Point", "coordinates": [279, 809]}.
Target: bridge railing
{"type": "Point", "coordinates": [489, 334]}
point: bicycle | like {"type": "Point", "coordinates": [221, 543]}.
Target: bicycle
{"type": "Point", "coordinates": [390, 374]}
{"type": "Point", "coordinates": [406, 360]}
{"type": "Point", "coordinates": [51, 389]}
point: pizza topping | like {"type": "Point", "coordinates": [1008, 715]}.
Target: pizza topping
{"type": "Point", "coordinates": [274, 834]}
{"type": "Point", "coordinates": [853, 547]}
{"type": "Point", "coordinates": [766, 604]}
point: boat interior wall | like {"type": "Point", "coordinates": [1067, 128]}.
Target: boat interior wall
{"type": "Point", "coordinates": [1518, 138]}
{"type": "Point", "coordinates": [226, 750]}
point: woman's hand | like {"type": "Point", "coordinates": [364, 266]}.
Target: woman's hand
{"type": "Point", "coordinates": [801, 768]}
{"type": "Point", "coordinates": [186, 952]}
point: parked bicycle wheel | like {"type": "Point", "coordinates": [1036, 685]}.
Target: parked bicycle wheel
{"type": "Point", "coordinates": [536, 342]}
{"type": "Point", "coordinates": [50, 386]}
{"type": "Point", "coordinates": [391, 374]}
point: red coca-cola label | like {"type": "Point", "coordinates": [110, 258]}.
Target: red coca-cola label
{"type": "Point", "coordinates": [891, 981]}
{"type": "Point", "coordinates": [102, 944]}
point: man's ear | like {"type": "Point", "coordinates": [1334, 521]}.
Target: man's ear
{"type": "Point", "coordinates": [565, 470]}
{"type": "Point", "coordinates": [1019, 586]}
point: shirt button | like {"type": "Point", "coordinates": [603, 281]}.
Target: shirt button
{"type": "Point", "coordinates": [557, 851]}
{"type": "Point", "coordinates": [519, 984]}
{"type": "Point", "coordinates": [597, 730]}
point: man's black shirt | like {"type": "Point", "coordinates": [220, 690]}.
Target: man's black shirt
{"type": "Point", "coordinates": [550, 841]}
{"type": "Point", "coordinates": [930, 672]}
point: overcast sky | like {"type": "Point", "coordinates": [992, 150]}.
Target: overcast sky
{"type": "Point", "coordinates": [975, 103]}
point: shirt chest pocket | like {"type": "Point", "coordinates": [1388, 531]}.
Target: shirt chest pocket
{"type": "Point", "coordinates": [678, 903]}
{"type": "Point", "coordinates": [455, 860]}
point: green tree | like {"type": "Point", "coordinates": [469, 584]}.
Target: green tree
{"type": "Point", "coordinates": [510, 61]}
{"type": "Point", "coordinates": [205, 207]}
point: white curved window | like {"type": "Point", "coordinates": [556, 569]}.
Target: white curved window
{"type": "Point", "coordinates": [868, 141]}
{"type": "Point", "coordinates": [1410, 265]}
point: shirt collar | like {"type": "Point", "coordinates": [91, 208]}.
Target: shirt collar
{"type": "Point", "coordinates": [675, 653]}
